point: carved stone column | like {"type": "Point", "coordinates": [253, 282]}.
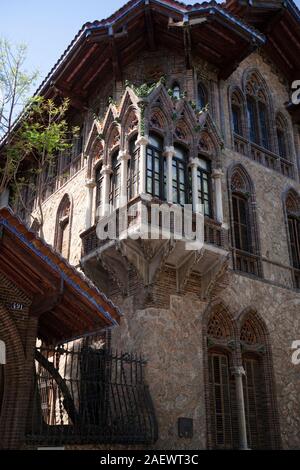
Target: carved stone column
{"type": "Point", "coordinates": [197, 206]}
{"type": "Point", "coordinates": [143, 141]}
{"type": "Point", "coordinates": [123, 159]}
{"type": "Point", "coordinates": [106, 172]}
{"type": "Point", "coordinates": [238, 373]}
{"type": "Point", "coordinates": [169, 154]}
{"type": "Point", "coordinates": [217, 177]}
{"type": "Point", "coordinates": [90, 185]}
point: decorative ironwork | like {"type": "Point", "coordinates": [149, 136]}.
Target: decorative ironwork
{"type": "Point", "coordinates": [86, 394]}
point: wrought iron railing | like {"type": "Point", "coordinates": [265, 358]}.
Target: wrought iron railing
{"type": "Point", "coordinates": [213, 232]}
{"type": "Point", "coordinates": [84, 394]}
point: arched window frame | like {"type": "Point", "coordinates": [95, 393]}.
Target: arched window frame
{"type": "Point", "coordinates": [156, 171]}
{"type": "Point", "coordinates": [204, 184]}
{"type": "Point", "coordinates": [133, 168]}
{"type": "Point", "coordinates": [63, 225]}
{"type": "Point", "coordinates": [180, 175]}
{"type": "Point", "coordinates": [292, 220]}
{"type": "Point", "coordinates": [237, 110]}
{"type": "Point", "coordinates": [285, 150]}
{"type": "Point", "coordinates": [241, 189]}
{"type": "Point", "coordinates": [115, 180]}
{"type": "Point", "coordinates": [258, 112]}
{"type": "Point", "coordinates": [202, 95]}
{"type": "Point", "coordinates": [228, 342]}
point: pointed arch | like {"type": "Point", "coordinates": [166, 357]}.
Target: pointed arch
{"type": "Point", "coordinates": [237, 111]}
{"type": "Point", "coordinates": [219, 339]}
{"type": "Point", "coordinates": [112, 142]}
{"type": "Point", "coordinates": [259, 109]}
{"type": "Point", "coordinates": [220, 322]}
{"type": "Point", "coordinates": [243, 218]}
{"type": "Point", "coordinates": [62, 238]}
{"type": "Point", "coordinates": [259, 381]}
{"type": "Point", "coordinates": [291, 207]}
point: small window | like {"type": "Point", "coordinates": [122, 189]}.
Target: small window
{"type": "Point", "coordinates": [202, 96]}
{"type": "Point", "coordinates": [176, 91]}
{"type": "Point", "coordinates": [204, 186]}
{"type": "Point", "coordinates": [179, 176]}
{"type": "Point", "coordinates": [133, 172]}
{"type": "Point", "coordinates": [241, 223]}
{"type": "Point", "coordinates": [115, 182]}
{"type": "Point", "coordinates": [156, 168]}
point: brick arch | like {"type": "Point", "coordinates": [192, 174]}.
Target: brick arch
{"type": "Point", "coordinates": [12, 377]}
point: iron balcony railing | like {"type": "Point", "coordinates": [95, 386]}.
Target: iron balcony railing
{"type": "Point", "coordinates": [84, 394]}
{"type": "Point", "coordinates": [214, 234]}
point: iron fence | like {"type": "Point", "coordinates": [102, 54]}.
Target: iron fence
{"type": "Point", "coordinates": [85, 394]}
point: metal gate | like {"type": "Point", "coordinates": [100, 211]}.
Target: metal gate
{"type": "Point", "coordinates": [86, 394]}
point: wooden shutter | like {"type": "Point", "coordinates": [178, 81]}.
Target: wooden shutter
{"type": "Point", "coordinates": [220, 401]}
{"type": "Point", "coordinates": [255, 404]}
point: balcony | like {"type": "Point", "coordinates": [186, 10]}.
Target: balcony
{"type": "Point", "coordinates": [263, 156]}
{"type": "Point", "coordinates": [149, 255]}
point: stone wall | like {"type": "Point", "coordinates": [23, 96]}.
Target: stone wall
{"type": "Point", "coordinates": [172, 341]}
{"type": "Point", "coordinates": [168, 330]}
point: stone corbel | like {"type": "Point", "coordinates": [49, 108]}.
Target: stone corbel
{"type": "Point", "coordinates": [117, 268]}
{"type": "Point", "coordinates": [214, 277]}
{"type": "Point", "coordinates": [146, 267]}
{"type": "Point", "coordinates": [183, 271]}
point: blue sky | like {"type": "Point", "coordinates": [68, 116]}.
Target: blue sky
{"type": "Point", "coordinates": [48, 27]}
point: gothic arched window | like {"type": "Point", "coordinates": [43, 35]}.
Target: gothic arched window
{"type": "Point", "coordinates": [221, 382]}
{"type": "Point", "coordinates": [63, 232]}
{"type": "Point", "coordinates": [156, 168]}
{"type": "Point", "coordinates": [281, 138]}
{"type": "Point", "coordinates": [180, 175]}
{"type": "Point", "coordinates": [202, 98]}
{"type": "Point", "coordinates": [115, 181]}
{"type": "Point", "coordinates": [133, 169]}
{"type": "Point", "coordinates": [238, 353]}
{"type": "Point", "coordinates": [292, 206]}
{"type": "Point", "coordinates": [255, 362]}
{"type": "Point", "coordinates": [204, 185]}
{"type": "Point", "coordinates": [237, 113]}
{"type": "Point", "coordinates": [258, 118]}
{"type": "Point", "coordinates": [244, 233]}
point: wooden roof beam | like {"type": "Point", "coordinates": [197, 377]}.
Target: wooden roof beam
{"type": "Point", "coordinates": [149, 26]}
{"type": "Point", "coordinates": [115, 54]}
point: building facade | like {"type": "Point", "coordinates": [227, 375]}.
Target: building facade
{"type": "Point", "coordinates": [190, 105]}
